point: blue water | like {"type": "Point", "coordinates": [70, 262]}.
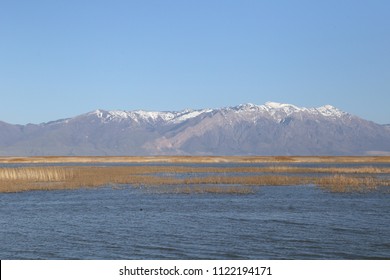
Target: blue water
{"type": "Point", "coordinates": [297, 222]}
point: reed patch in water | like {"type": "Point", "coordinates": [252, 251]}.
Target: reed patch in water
{"type": "Point", "coordinates": [215, 178]}
{"type": "Point", "coordinates": [342, 183]}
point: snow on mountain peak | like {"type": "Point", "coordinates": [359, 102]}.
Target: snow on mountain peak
{"type": "Point", "coordinates": [329, 110]}
{"type": "Point", "coordinates": [189, 114]}
{"type": "Point", "coordinates": [153, 115]}
{"type": "Point", "coordinates": [99, 113]}
{"type": "Point", "coordinates": [277, 111]}
{"type": "Point", "coordinates": [148, 116]}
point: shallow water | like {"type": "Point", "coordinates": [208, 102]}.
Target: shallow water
{"type": "Point", "coordinates": [297, 222]}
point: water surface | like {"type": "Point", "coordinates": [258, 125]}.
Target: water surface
{"type": "Point", "coordinates": [296, 222]}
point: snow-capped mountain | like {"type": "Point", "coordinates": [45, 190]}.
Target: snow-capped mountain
{"type": "Point", "coordinates": [246, 129]}
{"type": "Point", "coordinates": [272, 109]}
{"type": "Point", "coordinates": [147, 116]}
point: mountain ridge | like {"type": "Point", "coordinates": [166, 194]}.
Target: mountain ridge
{"type": "Point", "coordinates": [270, 107]}
{"type": "Point", "coordinates": [246, 129]}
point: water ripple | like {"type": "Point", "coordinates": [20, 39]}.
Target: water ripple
{"type": "Point", "coordinates": [275, 223]}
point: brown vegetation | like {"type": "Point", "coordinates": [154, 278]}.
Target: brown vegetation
{"type": "Point", "coordinates": [341, 183]}
{"type": "Point", "coordinates": [192, 179]}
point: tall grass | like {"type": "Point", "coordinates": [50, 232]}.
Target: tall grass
{"type": "Point", "coordinates": [46, 174]}
{"type": "Point", "coordinates": [216, 179]}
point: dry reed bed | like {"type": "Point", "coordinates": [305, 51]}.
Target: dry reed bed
{"type": "Point", "coordinates": [342, 183]}
{"type": "Point", "coordinates": [36, 174]}
{"type": "Point", "coordinates": [217, 179]}
{"type": "Point", "coordinates": [268, 169]}
{"type": "Point", "coordinates": [159, 170]}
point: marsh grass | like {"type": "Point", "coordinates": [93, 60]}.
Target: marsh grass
{"type": "Point", "coordinates": [268, 169]}
{"type": "Point", "coordinates": [342, 183]}
{"type": "Point", "coordinates": [47, 174]}
{"type": "Point", "coordinates": [213, 179]}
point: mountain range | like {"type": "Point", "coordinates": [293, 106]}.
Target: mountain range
{"type": "Point", "coordinates": [247, 129]}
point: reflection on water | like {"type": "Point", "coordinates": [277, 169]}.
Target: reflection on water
{"type": "Point", "coordinates": [297, 222]}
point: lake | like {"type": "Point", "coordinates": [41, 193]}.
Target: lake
{"type": "Point", "coordinates": [289, 222]}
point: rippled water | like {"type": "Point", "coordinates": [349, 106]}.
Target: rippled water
{"type": "Point", "coordinates": [297, 222]}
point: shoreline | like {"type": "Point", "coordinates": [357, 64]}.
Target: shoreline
{"type": "Point", "coordinates": [196, 159]}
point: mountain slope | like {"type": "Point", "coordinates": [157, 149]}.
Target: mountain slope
{"type": "Point", "coordinates": [248, 129]}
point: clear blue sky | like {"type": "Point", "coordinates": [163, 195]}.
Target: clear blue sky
{"type": "Point", "coordinates": [63, 58]}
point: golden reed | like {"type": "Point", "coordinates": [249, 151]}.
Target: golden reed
{"type": "Point", "coordinates": [187, 179]}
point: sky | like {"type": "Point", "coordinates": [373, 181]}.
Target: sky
{"type": "Point", "coordinates": [59, 59]}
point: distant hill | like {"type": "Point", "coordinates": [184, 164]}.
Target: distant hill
{"type": "Point", "coordinates": [248, 129]}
